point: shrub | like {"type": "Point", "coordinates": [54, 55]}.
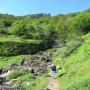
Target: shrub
{"type": "Point", "coordinates": [72, 45]}
{"type": "Point", "coordinates": [18, 28]}
{"type": "Point", "coordinates": [26, 77]}
{"type": "Point", "coordinates": [22, 48]}
{"type": "Point", "coordinates": [3, 30]}
{"type": "Point", "coordinates": [62, 31]}
{"type": "Point", "coordinates": [81, 23]}
{"type": "Point", "coordinates": [17, 73]}
{"type": "Point", "coordinates": [13, 75]}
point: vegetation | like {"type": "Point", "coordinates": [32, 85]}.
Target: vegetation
{"type": "Point", "coordinates": [16, 73]}
{"type": "Point", "coordinates": [5, 61]}
{"type": "Point", "coordinates": [76, 68]}
{"type": "Point", "coordinates": [37, 84]}
{"type": "Point", "coordinates": [66, 36]}
{"type": "Point", "coordinates": [81, 23]}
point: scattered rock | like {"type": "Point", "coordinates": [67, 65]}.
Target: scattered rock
{"type": "Point", "coordinates": [11, 82]}
{"type": "Point", "coordinates": [37, 62]}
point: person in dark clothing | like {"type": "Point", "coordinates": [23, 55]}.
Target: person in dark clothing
{"type": "Point", "coordinates": [53, 70]}
{"type": "Point", "coordinates": [48, 59]}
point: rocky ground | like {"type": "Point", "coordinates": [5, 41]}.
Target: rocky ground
{"type": "Point", "coordinates": [38, 63]}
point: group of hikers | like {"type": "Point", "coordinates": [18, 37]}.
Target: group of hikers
{"type": "Point", "coordinates": [53, 68]}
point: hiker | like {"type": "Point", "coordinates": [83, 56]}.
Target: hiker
{"type": "Point", "coordinates": [48, 59]}
{"type": "Point", "coordinates": [53, 70]}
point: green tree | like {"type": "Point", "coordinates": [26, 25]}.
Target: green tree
{"type": "Point", "coordinates": [80, 23]}
{"type": "Point", "coordinates": [61, 28]}
{"type": "Point", "coordinates": [18, 28]}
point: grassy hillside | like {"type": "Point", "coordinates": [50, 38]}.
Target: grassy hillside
{"type": "Point", "coordinates": [77, 68]}
{"type": "Point", "coordinates": [16, 45]}
{"type": "Point", "coordinates": [13, 38]}
{"type": "Point", "coordinates": [58, 36]}
{"type": "Point", "coordinates": [5, 61]}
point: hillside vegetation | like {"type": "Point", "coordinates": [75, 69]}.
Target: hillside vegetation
{"type": "Point", "coordinates": [77, 68]}
{"type": "Point", "coordinates": [64, 38]}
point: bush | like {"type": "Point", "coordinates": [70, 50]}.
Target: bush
{"type": "Point", "coordinates": [18, 28]}
{"type": "Point", "coordinates": [17, 73]}
{"type": "Point", "coordinates": [21, 48]}
{"type": "Point", "coordinates": [3, 31]}
{"type": "Point", "coordinates": [71, 45]}
{"type": "Point", "coordinates": [26, 77]}
{"type": "Point", "coordinates": [81, 23]}
{"type": "Point", "coordinates": [61, 29]}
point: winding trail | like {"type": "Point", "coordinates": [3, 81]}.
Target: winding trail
{"type": "Point", "coordinates": [53, 84]}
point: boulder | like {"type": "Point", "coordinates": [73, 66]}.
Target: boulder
{"type": "Point", "coordinates": [2, 80]}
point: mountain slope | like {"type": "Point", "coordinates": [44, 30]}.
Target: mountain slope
{"type": "Point", "coordinates": [77, 68]}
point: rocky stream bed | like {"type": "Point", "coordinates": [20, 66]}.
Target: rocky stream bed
{"type": "Point", "coordinates": [38, 63]}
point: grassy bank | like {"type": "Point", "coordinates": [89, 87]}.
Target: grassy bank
{"type": "Point", "coordinates": [76, 68]}
{"type": "Point", "coordinates": [5, 61]}
{"type": "Point", "coordinates": [13, 38]}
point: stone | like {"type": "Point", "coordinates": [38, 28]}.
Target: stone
{"type": "Point", "coordinates": [1, 69]}
{"type": "Point", "coordinates": [11, 82]}
{"type": "Point", "coordinates": [2, 79]}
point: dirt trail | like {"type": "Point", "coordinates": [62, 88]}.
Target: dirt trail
{"type": "Point", "coordinates": [53, 84]}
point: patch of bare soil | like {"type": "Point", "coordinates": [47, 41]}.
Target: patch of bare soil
{"type": "Point", "coordinates": [53, 84]}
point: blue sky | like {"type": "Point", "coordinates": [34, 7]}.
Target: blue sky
{"type": "Point", "coordinates": [24, 7]}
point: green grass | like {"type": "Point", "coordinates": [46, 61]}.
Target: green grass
{"type": "Point", "coordinates": [12, 38]}
{"type": "Point", "coordinates": [76, 68]}
{"type": "Point", "coordinates": [38, 83]}
{"type": "Point", "coordinates": [41, 83]}
{"type": "Point", "coordinates": [17, 73]}
{"type": "Point", "coordinates": [5, 61]}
